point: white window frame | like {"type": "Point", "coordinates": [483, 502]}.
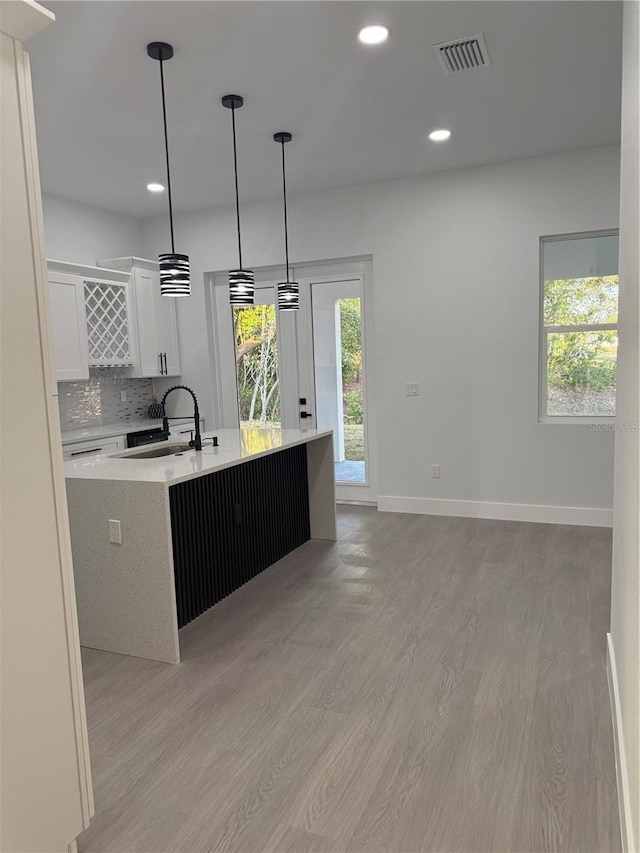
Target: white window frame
{"type": "Point", "coordinates": [543, 417]}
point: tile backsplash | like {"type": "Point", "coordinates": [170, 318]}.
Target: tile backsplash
{"type": "Point", "coordinates": [98, 401]}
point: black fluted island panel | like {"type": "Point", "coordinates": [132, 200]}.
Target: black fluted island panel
{"type": "Point", "coordinates": [195, 525]}
{"type": "Point", "coordinates": [230, 525]}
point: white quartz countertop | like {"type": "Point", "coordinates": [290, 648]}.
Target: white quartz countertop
{"type": "Point", "coordinates": [121, 428]}
{"type": "Point", "coordinates": [234, 447]}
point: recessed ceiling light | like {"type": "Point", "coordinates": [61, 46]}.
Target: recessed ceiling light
{"type": "Point", "coordinates": [439, 135]}
{"type": "Point", "coordinates": [373, 34]}
{"type": "Point", "coordinates": [155, 188]}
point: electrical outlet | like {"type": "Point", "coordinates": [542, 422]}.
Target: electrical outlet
{"type": "Point", "coordinates": [435, 472]}
{"type": "Point", "coordinates": [123, 396]}
{"type": "Point", "coordinates": [412, 389]}
{"type": "Point", "coordinates": [115, 531]}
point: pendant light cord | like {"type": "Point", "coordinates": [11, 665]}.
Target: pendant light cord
{"type": "Point", "coordinates": [235, 169]}
{"type": "Point", "coordinates": [166, 151]}
{"type": "Point", "coordinates": [286, 229]}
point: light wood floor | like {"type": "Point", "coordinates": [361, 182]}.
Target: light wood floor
{"type": "Point", "coordinates": [423, 684]}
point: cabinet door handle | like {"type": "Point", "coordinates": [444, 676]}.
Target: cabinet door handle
{"type": "Point", "coordinates": [80, 452]}
{"type": "Point", "coordinates": [160, 357]}
{"type": "Point", "coordinates": [164, 356]}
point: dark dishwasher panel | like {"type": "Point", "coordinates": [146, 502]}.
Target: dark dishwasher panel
{"type": "Point", "coordinates": [145, 436]}
{"type": "Point", "coordinates": [229, 526]}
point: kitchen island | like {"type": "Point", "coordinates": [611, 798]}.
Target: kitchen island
{"type": "Point", "coordinates": [193, 526]}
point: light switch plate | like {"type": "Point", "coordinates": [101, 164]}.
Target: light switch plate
{"type": "Point", "coordinates": [412, 389]}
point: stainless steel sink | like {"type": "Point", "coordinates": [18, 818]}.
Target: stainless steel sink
{"type": "Point", "coordinates": [154, 452]}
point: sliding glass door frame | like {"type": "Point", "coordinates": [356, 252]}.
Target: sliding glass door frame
{"type": "Point", "coordinates": [224, 355]}
{"type": "Point", "coordinates": [296, 356]}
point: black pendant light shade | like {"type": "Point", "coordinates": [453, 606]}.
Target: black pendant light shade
{"type": "Point", "coordinates": [175, 278]}
{"type": "Point", "coordinates": [288, 296]}
{"type": "Point", "coordinates": [241, 287]}
{"type": "Point", "coordinates": [174, 274]}
{"type": "Point", "coordinates": [288, 291]}
{"type": "Point", "coordinates": [241, 281]}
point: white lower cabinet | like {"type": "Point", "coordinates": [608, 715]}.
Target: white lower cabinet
{"type": "Point", "coordinates": [83, 449]}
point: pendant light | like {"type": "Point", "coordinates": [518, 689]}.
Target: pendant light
{"type": "Point", "coordinates": [241, 281]}
{"type": "Point", "coordinates": [288, 291]}
{"type": "Point", "coordinates": [175, 279]}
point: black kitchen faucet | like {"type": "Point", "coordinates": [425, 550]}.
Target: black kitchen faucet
{"type": "Point", "coordinates": [196, 442]}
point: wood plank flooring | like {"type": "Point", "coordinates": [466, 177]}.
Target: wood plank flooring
{"type": "Point", "coordinates": [423, 684]}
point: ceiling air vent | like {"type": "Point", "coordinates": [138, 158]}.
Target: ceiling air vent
{"type": "Point", "coordinates": [462, 54]}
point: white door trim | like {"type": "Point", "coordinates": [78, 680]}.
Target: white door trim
{"type": "Point", "coordinates": [335, 271]}
{"type": "Point", "coordinates": [622, 774]}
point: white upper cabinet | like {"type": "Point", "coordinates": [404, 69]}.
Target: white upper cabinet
{"type": "Point", "coordinates": [108, 323]}
{"type": "Point", "coordinates": [156, 321]}
{"type": "Point", "coordinates": [69, 327]}
{"type": "Point", "coordinates": [157, 326]}
{"type": "Point", "coordinates": [112, 316]}
{"type": "Point", "coordinates": [91, 317]}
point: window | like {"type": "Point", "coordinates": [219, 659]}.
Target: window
{"type": "Point", "coordinates": [257, 376]}
{"type": "Point", "coordinates": [579, 326]}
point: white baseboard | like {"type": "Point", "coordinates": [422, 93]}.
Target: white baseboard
{"type": "Point", "coordinates": [624, 803]}
{"type": "Point", "coordinates": [584, 516]}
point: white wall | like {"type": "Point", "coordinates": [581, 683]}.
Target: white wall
{"type": "Point", "coordinates": [81, 233]}
{"type": "Point", "coordinates": [455, 260]}
{"type": "Point", "coordinates": [44, 775]}
{"type": "Point", "coordinates": [625, 593]}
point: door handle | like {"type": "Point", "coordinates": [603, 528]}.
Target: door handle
{"type": "Point", "coordinates": [161, 370]}
{"type": "Point", "coordinates": [306, 414]}
{"type": "Point", "coordinates": [80, 452]}
{"type": "Point", "coordinates": [164, 356]}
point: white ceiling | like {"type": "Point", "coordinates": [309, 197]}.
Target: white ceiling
{"type": "Point", "coordinates": [358, 114]}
